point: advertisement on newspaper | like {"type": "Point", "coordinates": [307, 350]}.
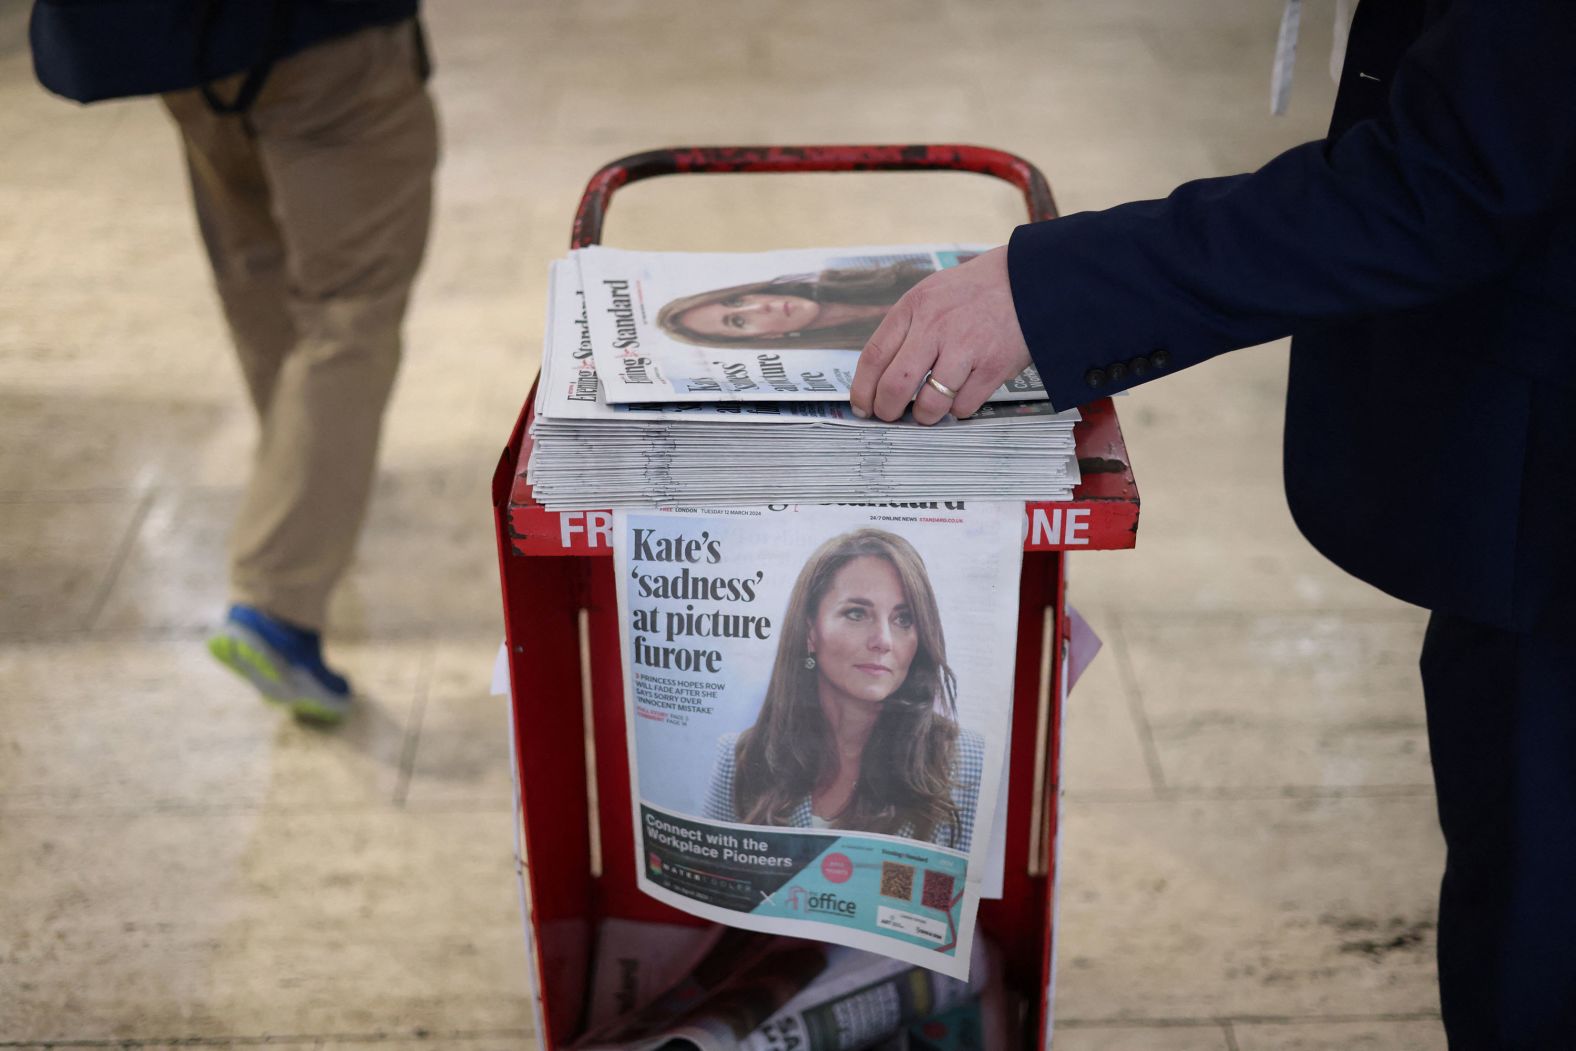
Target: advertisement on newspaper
{"type": "Point", "coordinates": [765, 326]}
{"type": "Point", "coordinates": [818, 701]}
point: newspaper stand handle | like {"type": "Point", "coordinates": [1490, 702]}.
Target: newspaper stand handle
{"type": "Point", "coordinates": [681, 160]}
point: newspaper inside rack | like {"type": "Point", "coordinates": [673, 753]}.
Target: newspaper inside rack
{"type": "Point", "coordinates": [746, 634]}
{"type": "Point", "coordinates": [729, 990]}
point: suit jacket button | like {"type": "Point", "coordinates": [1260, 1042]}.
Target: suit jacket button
{"type": "Point", "coordinates": [1160, 358]}
{"type": "Point", "coordinates": [1116, 372]}
{"type": "Point", "coordinates": [1095, 377]}
{"type": "Point", "coordinates": [1139, 366]}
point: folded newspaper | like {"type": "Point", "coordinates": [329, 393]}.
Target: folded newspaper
{"type": "Point", "coordinates": [982, 1024]}
{"type": "Point", "coordinates": [750, 992]}
{"type": "Point", "coordinates": [589, 454]}
{"type": "Point", "coordinates": [818, 699]}
{"type": "Point", "coordinates": [761, 326]}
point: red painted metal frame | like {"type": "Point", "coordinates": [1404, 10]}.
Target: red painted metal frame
{"type": "Point", "coordinates": [797, 159]}
{"type": "Point", "coordinates": [562, 634]}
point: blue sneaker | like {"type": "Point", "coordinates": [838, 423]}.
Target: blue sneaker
{"type": "Point", "coordinates": [284, 663]}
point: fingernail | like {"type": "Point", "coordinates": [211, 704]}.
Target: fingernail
{"type": "Point", "coordinates": [861, 413]}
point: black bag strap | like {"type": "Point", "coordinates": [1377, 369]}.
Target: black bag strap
{"type": "Point", "coordinates": [257, 76]}
{"type": "Point", "coordinates": [423, 55]}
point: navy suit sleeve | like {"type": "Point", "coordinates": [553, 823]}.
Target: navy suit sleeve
{"type": "Point", "coordinates": [1476, 148]}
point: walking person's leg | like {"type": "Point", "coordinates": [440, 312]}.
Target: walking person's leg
{"type": "Point", "coordinates": [235, 217]}
{"type": "Point", "coordinates": [346, 142]}
{"type": "Point", "coordinates": [1502, 732]}
{"type": "Point", "coordinates": [234, 209]}
{"type": "Point", "coordinates": [348, 139]}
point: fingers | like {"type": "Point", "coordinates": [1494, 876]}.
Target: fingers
{"type": "Point", "coordinates": [901, 380]}
{"type": "Point", "coordinates": [930, 405]}
{"type": "Point", "coordinates": [962, 317]}
{"type": "Point", "coordinates": [976, 391]}
{"type": "Point", "coordinates": [884, 344]}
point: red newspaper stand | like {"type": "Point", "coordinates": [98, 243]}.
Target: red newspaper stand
{"type": "Point", "coordinates": [576, 830]}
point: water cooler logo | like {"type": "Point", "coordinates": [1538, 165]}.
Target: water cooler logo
{"type": "Point", "coordinates": [825, 903]}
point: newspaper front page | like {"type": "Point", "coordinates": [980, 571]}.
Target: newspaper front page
{"type": "Point", "coordinates": [571, 388]}
{"type": "Point", "coordinates": [763, 326]}
{"type": "Point", "coordinates": [818, 704]}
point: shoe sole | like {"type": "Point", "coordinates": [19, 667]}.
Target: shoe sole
{"type": "Point", "coordinates": [255, 661]}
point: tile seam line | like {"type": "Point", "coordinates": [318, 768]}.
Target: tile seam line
{"type": "Point", "coordinates": [1189, 1022]}
{"type": "Point", "coordinates": [198, 632]}
{"type": "Point", "coordinates": [1195, 793]}
{"type": "Point", "coordinates": [272, 1039]}
{"type": "Point", "coordinates": [251, 810]}
{"type": "Point", "coordinates": [1169, 614]}
{"type": "Point", "coordinates": [412, 741]}
{"type": "Point", "coordinates": [122, 555]}
{"type": "Point", "coordinates": [1135, 707]}
{"type": "Point", "coordinates": [87, 494]}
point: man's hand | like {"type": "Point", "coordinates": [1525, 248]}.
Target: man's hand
{"type": "Point", "coordinates": [957, 325]}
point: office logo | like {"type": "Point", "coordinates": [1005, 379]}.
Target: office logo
{"type": "Point", "coordinates": [824, 903]}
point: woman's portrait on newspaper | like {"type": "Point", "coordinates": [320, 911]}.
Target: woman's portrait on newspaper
{"type": "Point", "coordinates": [835, 309]}
{"type": "Point", "coordinates": [858, 730]}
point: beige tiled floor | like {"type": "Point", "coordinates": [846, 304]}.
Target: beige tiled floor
{"type": "Point", "coordinates": [1249, 849]}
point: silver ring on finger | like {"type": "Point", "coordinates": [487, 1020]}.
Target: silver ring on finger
{"type": "Point", "coordinates": [940, 388]}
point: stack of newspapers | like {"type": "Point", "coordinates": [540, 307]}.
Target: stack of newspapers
{"type": "Point", "coordinates": [678, 378]}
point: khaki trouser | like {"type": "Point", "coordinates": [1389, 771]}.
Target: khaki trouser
{"type": "Point", "coordinates": [314, 207]}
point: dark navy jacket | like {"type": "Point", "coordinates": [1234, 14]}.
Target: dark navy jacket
{"type": "Point", "coordinates": [89, 50]}
{"type": "Point", "coordinates": [1423, 257]}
